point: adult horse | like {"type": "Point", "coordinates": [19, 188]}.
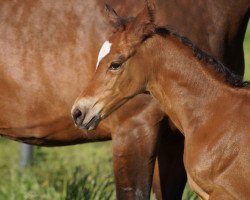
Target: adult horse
{"type": "Point", "coordinates": [206, 101]}
{"type": "Point", "coordinates": [47, 50]}
{"type": "Point", "coordinates": [49, 47]}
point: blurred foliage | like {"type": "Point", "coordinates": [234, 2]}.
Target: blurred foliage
{"type": "Point", "coordinates": [73, 172]}
{"type": "Point", "coordinates": [247, 53]}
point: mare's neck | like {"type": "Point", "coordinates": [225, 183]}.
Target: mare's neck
{"type": "Point", "coordinates": [188, 91]}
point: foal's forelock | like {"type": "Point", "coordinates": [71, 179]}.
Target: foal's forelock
{"type": "Point", "coordinates": [105, 49]}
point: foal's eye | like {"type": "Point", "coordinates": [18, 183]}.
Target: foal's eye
{"type": "Point", "coordinates": [115, 66]}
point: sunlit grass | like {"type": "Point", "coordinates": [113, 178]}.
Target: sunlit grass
{"type": "Point", "coordinates": [73, 172]}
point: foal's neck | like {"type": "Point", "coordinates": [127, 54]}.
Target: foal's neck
{"type": "Point", "coordinates": [184, 86]}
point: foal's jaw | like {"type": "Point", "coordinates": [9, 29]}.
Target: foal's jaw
{"type": "Point", "coordinates": [86, 113]}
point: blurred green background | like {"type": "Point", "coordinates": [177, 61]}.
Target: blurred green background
{"type": "Point", "coordinates": [71, 173]}
{"type": "Point", "coordinates": [247, 53]}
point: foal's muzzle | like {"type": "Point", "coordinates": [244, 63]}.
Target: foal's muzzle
{"type": "Point", "coordinates": [83, 123]}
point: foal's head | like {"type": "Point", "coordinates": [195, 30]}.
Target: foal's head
{"type": "Point", "coordinates": [119, 69]}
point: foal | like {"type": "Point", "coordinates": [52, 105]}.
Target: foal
{"type": "Point", "coordinates": [205, 101]}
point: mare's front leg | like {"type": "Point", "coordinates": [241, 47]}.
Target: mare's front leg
{"type": "Point", "coordinates": [169, 175]}
{"type": "Point", "coordinates": [134, 137]}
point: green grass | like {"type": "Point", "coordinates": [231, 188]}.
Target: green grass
{"type": "Point", "coordinates": [247, 54]}
{"type": "Point", "coordinates": [70, 173]}
{"type": "Point", "coordinates": [67, 173]}
{"type": "Point", "coordinates": [81, 172]}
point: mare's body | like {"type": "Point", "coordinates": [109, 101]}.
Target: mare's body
{"type": "Point", "coordinates": [48, 53]}
{"type": "Point", "coordinates": [212, 114]}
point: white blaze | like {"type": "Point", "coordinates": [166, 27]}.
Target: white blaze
{"type": "Point", "coordinates": [103, 52]}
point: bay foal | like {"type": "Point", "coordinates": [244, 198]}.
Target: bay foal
{"type": "Point", "coordinates": [205, 101]}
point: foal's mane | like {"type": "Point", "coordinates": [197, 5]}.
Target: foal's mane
{"type": "Point", "coordinates": [230, 77]}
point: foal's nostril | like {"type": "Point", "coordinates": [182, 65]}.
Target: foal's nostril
{"type": "Point", "coordinates": [77, 115]}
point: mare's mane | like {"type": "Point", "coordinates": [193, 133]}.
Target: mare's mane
{"type": "Point", "coordinates": [229, 76]}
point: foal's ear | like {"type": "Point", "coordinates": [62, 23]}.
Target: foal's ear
{"type": "Point", "coordinates": [150, 7]}
{"type": "Point", "coordinates": [115, 20]}
{"type": "Point", "coordinates": [144, 22]}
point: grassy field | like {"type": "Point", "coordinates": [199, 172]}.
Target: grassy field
{"type": "Point", "coordinates": [57, 173]}
{"type": "Point", "coordinates": [66, 173]}
{"type": "Point", "coordinates": [247, 53]}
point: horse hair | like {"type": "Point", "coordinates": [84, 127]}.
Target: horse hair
{"type": "Point", "coordinates": [230, 77]}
